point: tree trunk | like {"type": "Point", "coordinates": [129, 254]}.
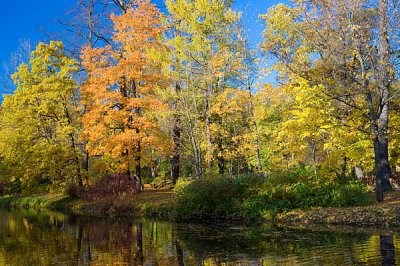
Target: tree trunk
{"type": "Point", "coordinates": [255, 128]}
{"type": "Point", "coordinates": [138, 168]}
{"type": "Point", "coordinates": [153, 168]}
{"type": "Point", "coordinates": [381, 142]}
{"type": "Point", "coordinates": [220, 157]}
{"type": "Point", "coordinates": [358, 172]}
{"type": "Point", "coordinates": [176, 132]}
{"type": "Point", "coordinates": [208, 131]}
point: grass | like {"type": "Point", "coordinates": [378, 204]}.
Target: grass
{"type": "Point", "coordinates": [161, 203]}
{"type": "Point", "coordinates": [39, 201]}
{"type": "Point", "coordinates": [151, 202]}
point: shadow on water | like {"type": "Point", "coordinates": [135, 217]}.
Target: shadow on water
{"type": "Point", "coordinates": [45, 238]}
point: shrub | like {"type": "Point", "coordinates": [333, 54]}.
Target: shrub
{"type": "Point", "coordinates": [255, 197]}
{"type": "Point", "coordinates": [2, 189]}
{"type": "Point", "coordinates": [276, 198]}
{"type": "Point", "coordinates": [209, 198]}
{"type": "Point", "coordinates": [113, 186]}
{"type": "Point", "coordinates": [74, 191]}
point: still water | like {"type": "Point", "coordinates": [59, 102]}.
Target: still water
{"type": "Point", "coordinates": [45, 238]}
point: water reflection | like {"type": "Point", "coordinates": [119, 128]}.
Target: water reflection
{"type": "Point", "coordinates": [45, 238]}
{"type": "Point", "coordinates": [387, 250]}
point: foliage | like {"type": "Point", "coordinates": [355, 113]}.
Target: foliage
{"type": "Point", "coordinates": [252, 197]}
{"type": "Point", "coordinates": [75, 191]}
{"type": "Point", "coordinates": [278, 197]}
{"type": "Point", "coordinates": [39, 121]}
{"type": "Point", "coordinates": [120, 91]}
{"type": "Point", "coordinates": [111, 187]}
{"type": "Point", "coordinates": [336, 57]}
{"type": "Point", "coordinates": [159, 96]}
{"type": "Point", "coordinates": [211, 197]}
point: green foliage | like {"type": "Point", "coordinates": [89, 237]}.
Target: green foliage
{"type": "Point", "coordinates": [211, 197]}
{"type": "Point", "coordinates": [256, 197]}
{"type": "Point", "coordinates": [74, 191]}
{"type": "Point", "coordinates": [276, 197]}
{"type": "Point", "coordinates": [24, 202]}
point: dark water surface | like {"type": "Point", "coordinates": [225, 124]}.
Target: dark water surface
{"type": "Point", "coordinates": [45, 238]}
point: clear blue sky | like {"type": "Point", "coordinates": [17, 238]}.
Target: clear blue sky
{"type": "Point", "coordinates": [29, 19]}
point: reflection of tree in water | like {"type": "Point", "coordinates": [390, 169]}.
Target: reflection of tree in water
{"type": "Point", "coordinates": [232, 244]}
{"type": "Point", "coordinates": [39, 238]}
{"type": "Point", "coordinates": [387, 250]}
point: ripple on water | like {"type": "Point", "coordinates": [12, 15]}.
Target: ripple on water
{"type": "Point", "coordinates": [34, 238]}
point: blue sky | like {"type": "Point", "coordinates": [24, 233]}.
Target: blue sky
{"type": "Point", "coordinates": [27, 20]}
{"type": "Point", "coordinates": [30, 19]}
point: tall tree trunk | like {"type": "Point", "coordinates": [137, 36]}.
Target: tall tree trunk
{"type": "Point", "coordinates": [220, 157]}
{"type": "Point", "coordinates": [208, 131]}
{"type": "Point", "coordinates": [220, 154]}
{"type": "Point", "coordinates": [73, 146]}
{"type": "Point", "coordinates": [176, 135]}
{"type": "Point", "coordinates": [137, 164]}
{"type": "Point", "coordinates": [137, 148]}
{"type": "Point", "coordinates": [255, 128]}
{"type": "Point", "coordinates": [381, 141]}
{"type": "Point", "coordinates": [85, 163]}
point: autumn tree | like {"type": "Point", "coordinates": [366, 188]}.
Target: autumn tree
{"type": "Point", "coordinates": [203, 64]}
{"type": "Point", "coordinates": [343, 48]}
{"type": "Point", "coordinates": [38, 122]}
{"type": "Point", "coordinates": [120, 92]}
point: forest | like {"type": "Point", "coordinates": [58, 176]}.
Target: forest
{"type": "Point", "coordinates": [178, 96]}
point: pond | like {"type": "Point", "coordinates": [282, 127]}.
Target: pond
{"type": "Point", "coordinates": [29, 237]}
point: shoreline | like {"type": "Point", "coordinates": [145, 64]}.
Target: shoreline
{"type": "Point", "coordinates": [379, 215]}
{"type": "Point", "coordinates": [160, 204]}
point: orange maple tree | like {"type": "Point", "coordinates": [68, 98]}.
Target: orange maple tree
{"type": "Point", "coordinates": [120, 93]}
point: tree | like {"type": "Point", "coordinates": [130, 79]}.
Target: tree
{"type": "Point", "coordinates": [38, 122]}
{"type": "Point", "coordinates": [202, 63]}
{"type": "Point", "coordinates": [120, 92]}
{"type": "Point", "coordinates": [343, 47]}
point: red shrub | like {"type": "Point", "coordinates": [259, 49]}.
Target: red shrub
{"type": "Point", "coordinates": [111, 187]}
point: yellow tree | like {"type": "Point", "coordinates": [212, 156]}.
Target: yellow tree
{"type": "Point", "coordinates": [120, 91]}
{"type": "Point", "coordinates": [39, 121]}
{"type": "Point", "coordinates": [345, 47]}
{"type": "Point", "coordinates": [203, 64]}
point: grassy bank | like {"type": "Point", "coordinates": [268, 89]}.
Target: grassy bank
{"type": "Point", "coordinates": [292, 203]}
{"type": "Point", "coordinates": [162, 203]}
{"type": "Point", "coordinates": [150, 203]}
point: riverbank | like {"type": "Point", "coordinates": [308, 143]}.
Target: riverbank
{"type": "Point", "coordinates": [161, 203]}
{"type": "Point", "coordinates": [149, 203]}
{"type": "Point", "coordinates": [385, 214]}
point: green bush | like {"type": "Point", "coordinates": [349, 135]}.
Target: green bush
{"type": "Point", "coordinates": [255, 197]}
{"type": "Point", "coordinates": [273, 198]}
{"type": "Point", "coordinates": [210, 198]}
